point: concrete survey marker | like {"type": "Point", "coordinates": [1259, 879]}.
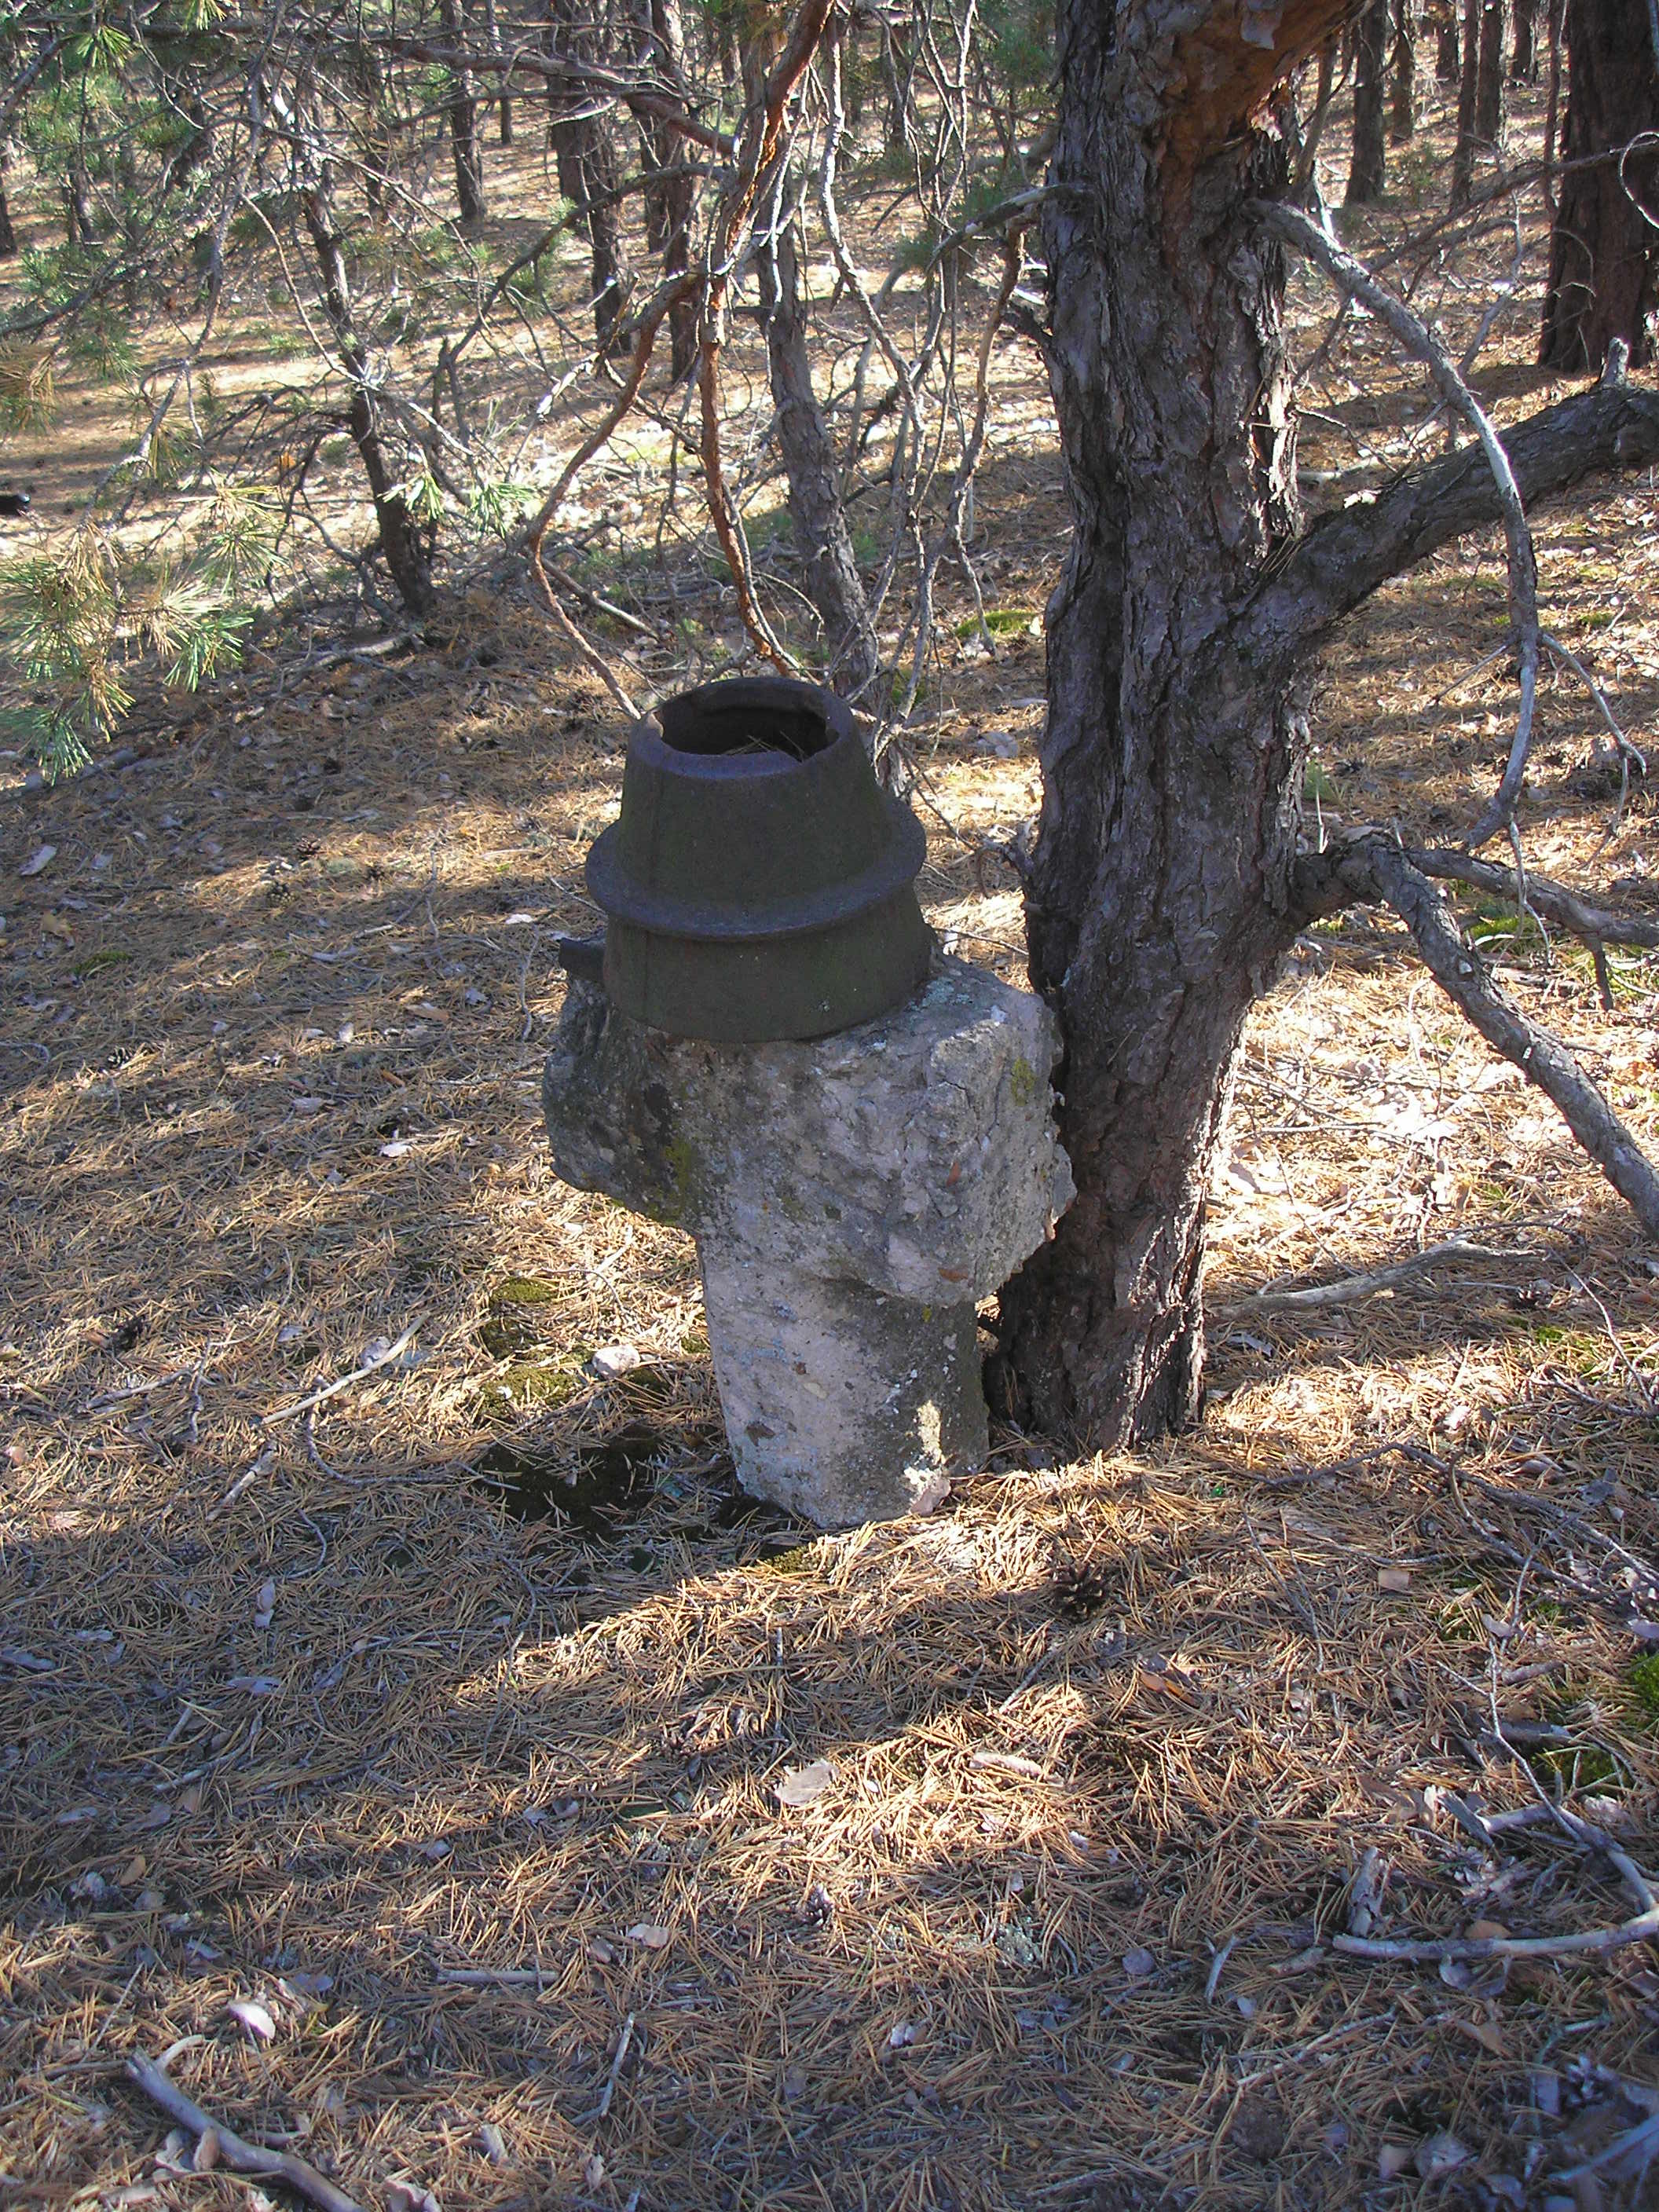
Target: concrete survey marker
{"type": "Point", "coordinates": [852, 1198]}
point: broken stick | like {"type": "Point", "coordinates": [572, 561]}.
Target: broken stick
{"type": "Point", "coordinates": [241, 2156]}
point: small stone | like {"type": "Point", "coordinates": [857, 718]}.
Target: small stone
{"type": "Point", "coordinates": [612, 1361]}
{"type": "Point", "coordinates": [1439, 2154]}
{"type": "Point", "coordinates": [999, 744]}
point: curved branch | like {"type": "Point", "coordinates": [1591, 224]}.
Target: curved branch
{"type": "Point", "coordinates": [1372, 868]}
{"type": "Point", "coordinates": [1420, 341]}
{"type": "Point", "coordinates": [1348, 555]}
{"type": "Point", "coordinates": [1595, 925]}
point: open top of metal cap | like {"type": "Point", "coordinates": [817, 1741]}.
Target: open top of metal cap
{"type": "Point", "coordinates": [751, 824]}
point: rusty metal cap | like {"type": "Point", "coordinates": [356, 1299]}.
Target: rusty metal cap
{"type": "Point", "coordinates": [758, 882]}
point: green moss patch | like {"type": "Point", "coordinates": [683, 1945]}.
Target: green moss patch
{"type": "Point", "coordinates": [513, 1322]}
{"type": "Point", "coordinates": [1643, 1682]}
{"type": "Point", "coordinates": [527, 1384]}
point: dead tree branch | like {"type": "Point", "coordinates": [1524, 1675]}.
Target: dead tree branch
{"type": "Point", "coordinates": [1348, 555]}
{"type": "Point", "coordinates": [1420, 341]}
{"type": "Point", "coordinates": [1372, 868]}
{"type": "Point", "coordinates": [242, 2157]}
{"type": "Point", "coordinates": [1596, 927]}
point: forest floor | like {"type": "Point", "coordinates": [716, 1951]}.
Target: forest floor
{"type": "Point", "coordinates": [440, 1728]}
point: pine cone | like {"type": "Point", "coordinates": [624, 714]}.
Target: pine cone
{"type": "Point", "coordinates": [1080, 1589]}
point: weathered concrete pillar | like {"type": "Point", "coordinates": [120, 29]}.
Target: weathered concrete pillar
{"type": "Point", "coordinates": [852, 1197]}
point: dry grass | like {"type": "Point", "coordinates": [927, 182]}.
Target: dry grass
{"type": "Point", "coordinates": [275, 1015]}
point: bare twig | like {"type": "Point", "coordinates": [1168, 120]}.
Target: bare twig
{"type": "Point", "coordinates": [1419, 341]}
{"type": "Point", "coordinates": [344, 1381]}
{"type": "Point", "coordinates": [495, 1978]}
{"type": "Point", "coordinates": [1313, 1297]}
{"type": "Point", "coordinates": [1371, 866]}
{"type": "Point", "coordinates": [624, 2042]}
{"type": "Point", "coordinates": [242, 2156]}
{"type": "Point", "coordinates": [1462, 1951]}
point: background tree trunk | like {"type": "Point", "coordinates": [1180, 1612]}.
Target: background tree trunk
{"type": "Point", "coordinates": [81, 224]}
{"type": "Point", "coordinates": [896, 77]}
{"type": "Point", "coordinates": [1602, 271]}
{"type": "Point", "coordinates": [401, 546]}
{"type": "Point", "coordinates": [669, 202]}
{"type": "Point", "coordinates": [832, 579]}
{"type": "Point", "coordinates": [504, 106]}
{"type": "Point", "coordinates": [1468, 88]}
{"type": "Point", "coordinates": [590, 170]}
{"type": "Point", "coordinates": [1402, 121]}
{"type": "Point", "coordinates": [1156, 893]}
{"type": "Point", "coordinates": [1445, 43]}
{"type": "Point", "coordinates": [1489, 88]}
{"type": "Point", "coordinates": [1367, 170]}
{"type": "Point", "coordinates": [463, 121]}
{"type": "Point", "coordinates": [1523, 62]}
{"type": "Point", "coordinates": [1307, 153]}
{"type": "Point", "coordinates": [8, 235]}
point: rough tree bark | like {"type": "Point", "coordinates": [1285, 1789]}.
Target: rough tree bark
{"type": "Point", "coordinates": [1156, 893]}
{"type": "Point", "coordinates": [8, 235]}
{"type": "Point", "coordinates": [1489, 82]}
{"type": "Point", "coordinates": [1367, 169]}
{"type": "Point", "coordinates": [660, 46]}
{"type": "Point", "coordinates": [1468, 88]}
{"type": "Point", "coordinates": [590, 172]}
{"type": "Point", "coordinates": [1160, 892]}
{"type": "Point", "coordinates": [1402, 118]}
{"type": "Point", "coordinates": [1604, 269]}
{"type": "Point", "coordinates": [462, 120]}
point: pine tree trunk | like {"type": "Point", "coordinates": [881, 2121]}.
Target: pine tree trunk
{"type": "Point", "coordinates": [8, 235]}
{"type": "Point", "coordinates": [669, 202]}
{"type": "Point", "coordinates": [1523, 62]}
{"type": "Point", "coordinates": [1552, 105]}
{"type": "Point", "coordinates": [1157, 893]}
{"type": "Point", "coordinates": [405, 555]}
{"type": "Point", "coordinates": [1604, 271]}
{"type": "Point", "coordinates": [898, 123]}
{"type": "Point", "coordinates": [504, 106]}
{"type": "Point", "coordinates": [1468, 88]}
{"type": "Point", "coordinates": [1402, 121]}
{"type": "Point", "coordinates": [1307, 153]}
{"type": "Point", "coordinates": [1445, 44]}
{"type": "Point", "coordinates": [463, 121]}
{"type": "Point", "coordinates": [81, 224]}
{"type": "Point", "coordinates": [1489, 89]}
{"type": "Point", "coordinates": [590, 172]}
{"type": "Point", "coordinates": [832, 579]}
{"type": "Point", "coordinates": [613, 275]}
{"type": "Point", "coordinates": [1367, 170]}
